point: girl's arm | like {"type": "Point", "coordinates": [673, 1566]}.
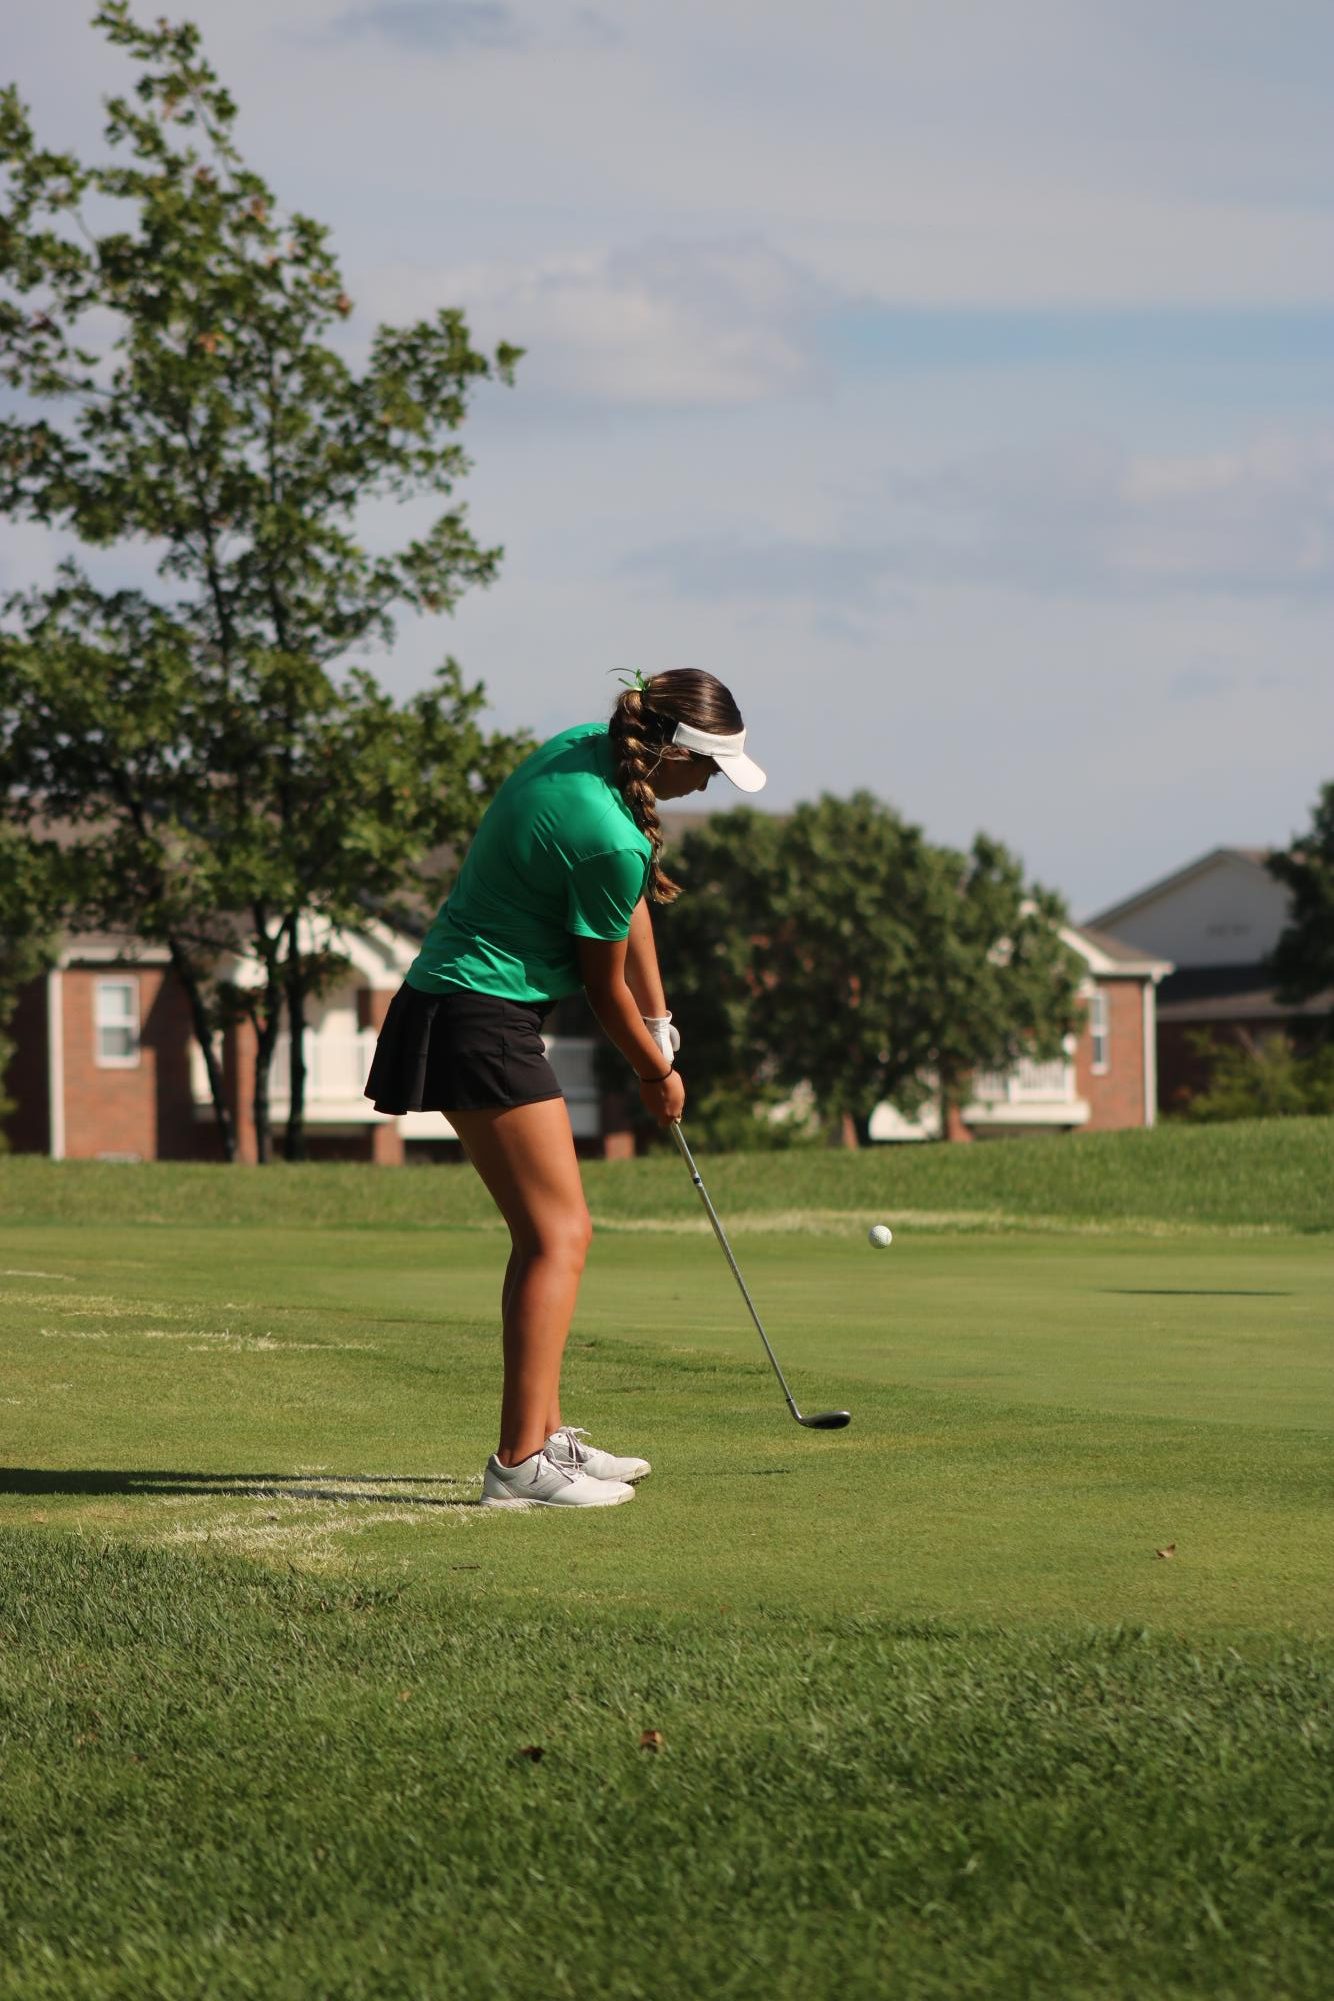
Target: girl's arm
{"type": "Point", "coordinates": [604, 969]}
{"type": "Point", "coordinates": [641, 964]}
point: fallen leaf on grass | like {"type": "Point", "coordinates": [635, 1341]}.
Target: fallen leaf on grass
{"type": "Point", "coordinates": [651, 1740]}
{"type": "Point", "coordinates": [405, 1695]}
{"type": "Point", "coordinates": [534, 1751]}
{"type": "Point", "coordinates": [1168, 1549]}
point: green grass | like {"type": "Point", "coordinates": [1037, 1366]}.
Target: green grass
{"type": "Point", "coordinates": [937, 1721]}
{"type": "Point", "coordinates": [1033, 1416]}
{"type": "Point", "coordinates": [224, 1782]}
{"type": "Point", "coordinates": [1275, 1174]}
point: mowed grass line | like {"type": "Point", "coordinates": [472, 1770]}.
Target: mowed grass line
{"type": "Point", "coordinates": [1275, 1174]}
{"type": "Point", "coordinates": [1193, 1326]}
{"type": "Point", "coordinates": [227, 1783]}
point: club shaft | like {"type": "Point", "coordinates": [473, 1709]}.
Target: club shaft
{"type": "Point", "coordinates": [721, 1235]}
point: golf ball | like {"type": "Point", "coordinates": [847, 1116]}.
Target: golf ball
{"type": "Point", "coordinates": [880, 1235]}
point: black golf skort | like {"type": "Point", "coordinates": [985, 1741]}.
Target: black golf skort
{"type": "Point", "coordinates": [457, 1051]}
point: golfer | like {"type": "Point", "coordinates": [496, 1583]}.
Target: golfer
{"type": "Point", "coordinates": [553, 895]}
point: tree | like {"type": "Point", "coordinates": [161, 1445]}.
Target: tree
{"type": "Point", "coordinates": [97, 695]}
{"type": "Point", "coordinates": [235, 772]}
{"type": "Point", "coordinates": [1303, 959]}
{"type": "Point", "coordinates": [211, 827]}
{"type": "Point", "coordinates": [840, 968]}
{"type": "Point", "coordinates": [1005, 983]}
{"type": "Point", "coordinates": [727, 869]}
{"type": "Point", "coordinates": [840, 950]}
{"type": "Point", "coordinates": [31, 894]}
{"type": "Point", "coordinates": [707, 945]}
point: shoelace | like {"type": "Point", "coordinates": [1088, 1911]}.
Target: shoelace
{"type": "Point", "coordinates": [547, 1456]}
{"type": "Point", "coordinates": [574, 1433]}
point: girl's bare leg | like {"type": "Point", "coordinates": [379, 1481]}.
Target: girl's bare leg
{"type": "Point", "coordinates": [525, 1155]}
{"type": "Point", "coordinates": [512, 1271]}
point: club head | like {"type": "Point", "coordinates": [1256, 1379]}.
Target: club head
{"type": "Point", "coordinates": [826, 1420]}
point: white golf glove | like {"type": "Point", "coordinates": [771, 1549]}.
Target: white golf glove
{"type": "Point", "coordinates": [667, 1038]}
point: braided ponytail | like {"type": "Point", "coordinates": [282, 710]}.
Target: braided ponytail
{"type": "Point", "coordinates": [639, 739]}
{"type": "Point", "coordinates": [642, 725]}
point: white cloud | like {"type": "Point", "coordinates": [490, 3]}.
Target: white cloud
{"type": "Point", "coordinates": [432, 27]}
{"type": "Point", "coordinates": [1001, 239]}
{"type": "Point", "coordinates": [1261, 518]}
{"type": "Point", "coordinates": [1070, 520]}
{"type": "Point", "coordinates": [663, 324]}
{"type": "Point", "coordinates": [1046, 152]}
{"type": "Point", "coordinates": [732, 569]}
{"type": "Point", "coordinates": [446, 28]}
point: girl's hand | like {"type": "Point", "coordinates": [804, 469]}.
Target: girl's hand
{"type": "Point", "coordinates": [665, 1033]}
{"type": "Point", "coordinates": [664, 1097]}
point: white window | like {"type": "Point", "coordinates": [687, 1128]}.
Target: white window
{"type": "Point", "coordinates": [116, 1024]}
{"type": "Point", "coordinates": [1100, 1032]}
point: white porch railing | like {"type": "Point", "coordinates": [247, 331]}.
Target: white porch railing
{"type": "Point", "coordinates": [337, 1064]}
{"type": "Point", "coordinates": [1028, 1083]}
{"type": "Point", "coordinates": [336, 1067]}
{"type": "Point", "coordinates": [1031, 1094]}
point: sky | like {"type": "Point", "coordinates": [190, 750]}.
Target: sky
{"type": "Point", "coordinates": [954, 380]}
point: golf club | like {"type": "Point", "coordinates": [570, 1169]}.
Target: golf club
{"type": "Point", "coordinates": [824, 1420]}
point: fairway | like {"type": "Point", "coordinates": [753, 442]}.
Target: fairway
{"type": "Point", "coordinates": [1035, 1415]}
{"type": "Point", "coordinates": [1032, 1416]}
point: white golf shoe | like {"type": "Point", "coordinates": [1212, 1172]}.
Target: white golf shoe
{"type": "Point", "coordinates": [545, 1482]}
{"type": "Point", "coordinates": [567, 1448]}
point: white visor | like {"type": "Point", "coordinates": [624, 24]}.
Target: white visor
{"type": "Point", "coordinates": [727, 752]}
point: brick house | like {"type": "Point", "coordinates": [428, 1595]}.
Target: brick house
{"type": "Point", "coordinates": [1106, 1078]}
{"type": "Point", "coordinates": [1217, 919]}
{"type": "Point", "coordinates": [106, 1067]}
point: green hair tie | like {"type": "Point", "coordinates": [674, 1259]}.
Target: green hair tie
{"type": "Point", "coordinates": [638, 681]}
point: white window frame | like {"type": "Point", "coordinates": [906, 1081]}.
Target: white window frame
{"type": "Point", "coordinates": [104, 1020]}
{"type": "Point", "coordinates": [1100, 1031]}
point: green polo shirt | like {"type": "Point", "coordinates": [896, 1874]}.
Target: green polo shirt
{"type": "Point", "coordinates": [557, 857]}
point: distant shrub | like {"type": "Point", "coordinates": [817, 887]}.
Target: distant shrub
{"type": "Point", "coordinates": [1262, 1078]}
{"type": "Point", "coordinates": [735, 1118]}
